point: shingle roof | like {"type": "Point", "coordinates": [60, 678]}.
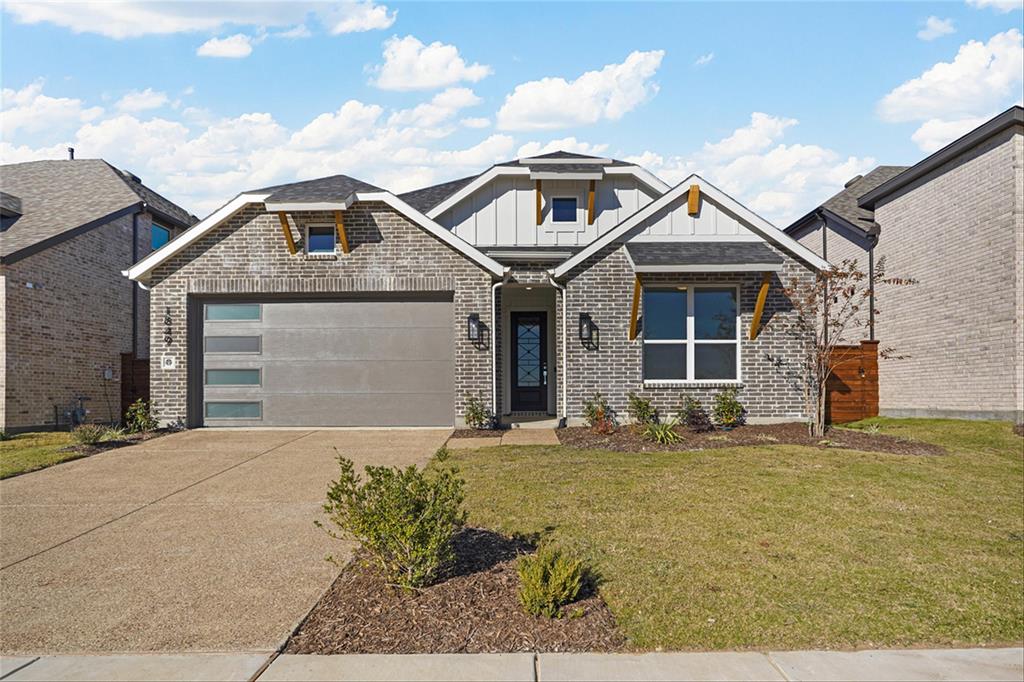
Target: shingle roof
{"type": "Point", "coordinates": [158, 204]}
{"type": "Point", "coordinates": [428, 197]}
{"type": "Point", "coordinates": [331, 188]}
{"type": "Point", "coordinates": [701, 253]}
{"type": "Point", "coordinates": [58, 197]}
{"type": "Point", "coordinates": [9, 204]}
{"type": "Point", "coordinates": [844, 203]}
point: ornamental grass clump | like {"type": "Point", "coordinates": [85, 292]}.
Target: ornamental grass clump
{"type": "Point", "coordinates": [548, 580]}
{"type": "Point", "coordinates": [404, 519]}
{"type": "Point", "coordinates": [89, 434]}
{"type": "Point", "coordinates": [662, 434]}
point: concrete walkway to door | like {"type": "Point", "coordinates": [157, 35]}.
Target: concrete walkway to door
{"type": "Point", "coordinates": [198, 541]}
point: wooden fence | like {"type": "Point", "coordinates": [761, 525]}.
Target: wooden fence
{"type": "Point", "coordinates": [134, 380]}
{"type": "Point", "coordinates": [853, 386]}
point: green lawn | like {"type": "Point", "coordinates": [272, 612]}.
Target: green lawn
{"type": "Point", "coordinates": [783, 546]}
{"type": "Point", "coordinates": [30, 451]}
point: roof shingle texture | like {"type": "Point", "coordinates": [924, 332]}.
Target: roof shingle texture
{"type": "Point", "coordinates": [701, 253]}
{"type": "Point", "coordinates": [844, 204]}
{"type": "Point", "coordinates": [331, 188]}
{"type": "Point", "coordinates": [59, 196]}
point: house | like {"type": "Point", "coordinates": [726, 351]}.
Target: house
{"type": "Point", "coordinates": [528, 287]}
{"type": "Point", "coordinates": [66, 314]}
{"type": "Point", "coordinates": [955, 223]}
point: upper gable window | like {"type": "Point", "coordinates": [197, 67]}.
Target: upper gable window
{"type": "Point", "coordinates": [320, 239]}
{"type": "Point", "coordinates": [159, 236]}
{"type": "Point", "coordinates": [563, 209]}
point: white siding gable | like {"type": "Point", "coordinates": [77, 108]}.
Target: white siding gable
{"type": "Point", "coordinates": [712, 223]}
{"type": "Point", "coordinates": [503, 212]}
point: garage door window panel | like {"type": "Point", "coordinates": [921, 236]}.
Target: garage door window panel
{"type": "Point", "coordinates": [233, 312]}
{"type": "Point", "coordinates": [250, 345]}
{"type": "Point", "coordinates": [234, 409]}
{"type": "Point", "coordinates": [233, 377]}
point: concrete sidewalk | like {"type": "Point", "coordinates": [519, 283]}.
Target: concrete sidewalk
{"type": "Point", "coordinates": [912, 664]}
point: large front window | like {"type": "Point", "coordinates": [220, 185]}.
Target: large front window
{"type": "Point", "coordinates": [691, 334]}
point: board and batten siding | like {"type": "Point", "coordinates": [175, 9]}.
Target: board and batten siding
{"type": "Point", "coordinates": [712, 222]}
{"type": "Point", "coordinates": [504, 212]}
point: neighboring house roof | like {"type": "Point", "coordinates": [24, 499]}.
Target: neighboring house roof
{"type": "Point", "coordinates": [702, 256]}
{"type": "Point", "coordinates": [10, 205]}
{"type": "Point", "coordinates": [62, 199]}
{"type": "Point", "coordinates": [1014, 116]}
{"type": "Point", "coordinates": [843, 204]}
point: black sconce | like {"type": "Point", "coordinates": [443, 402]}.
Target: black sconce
{"type": "Point", "coordinates": [587, 329]}
{"type": "Point", "coordinates": [473, 327]}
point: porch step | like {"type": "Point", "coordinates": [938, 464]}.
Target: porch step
{"type": "Point", "coordinates": [522, 421]}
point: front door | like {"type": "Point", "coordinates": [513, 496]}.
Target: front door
{"type": "Point", "coordinates": [529, 362]}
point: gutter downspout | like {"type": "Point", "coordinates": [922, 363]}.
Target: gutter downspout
{"type": "Point", "coordinates": [494, 341]}
{"type": "Point", "coordinates": [135, 290]}
{"type": "Point", "coordinates": [563, 376]}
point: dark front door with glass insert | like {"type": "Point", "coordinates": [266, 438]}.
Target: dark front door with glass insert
{"type": "Point", "coordinates": [529, 362]}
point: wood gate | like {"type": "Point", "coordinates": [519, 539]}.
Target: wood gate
{"type": "Point", "coordinates": [134, 380]}
{"type": "Point", "coordinates": [853, 386]}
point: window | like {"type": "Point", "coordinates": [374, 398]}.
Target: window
{"type": "Point", "coordinates": [320, 239]}
{"type": "Point", "coordinates": [158, 236]}
{"type": "Point", "coordinates": [233, 312]}
{"type": "Point", "coordinates": [691, 334]}
{"type": "Point", "coordinates": [232, 377]}
{"type": "Point", "coordinates": [563, 209]}
{"type": "Point", "coordinates": [233, 344]}
{"type": "Point", "coordinates": [234, 410]}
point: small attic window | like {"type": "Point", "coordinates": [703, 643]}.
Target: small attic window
{"type": "Point", "coordinates": [320, 239]}
{"type": "Point", "coordinates": [563, 209]}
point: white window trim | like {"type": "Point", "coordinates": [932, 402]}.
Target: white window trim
{"type": "Point", "coordinates": [577, 225]}
{"type": "Point", "coordinates": [691, 341]}
{"type": "Point", "coordinates": [334, 232]}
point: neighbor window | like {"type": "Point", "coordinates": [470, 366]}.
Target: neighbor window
{"type": "Point", "coordinates": [233, 312]}
{"type": "Point", "coordinates": [320, 239]}
{"type": "Point", "coordinates": [690, 334]}
{"type": "Point", "coordinates": [563, 209]}
{"type": "Point", "coordinates": [234, 410]}
{"type": "Point", "coordinates": [158, 236]}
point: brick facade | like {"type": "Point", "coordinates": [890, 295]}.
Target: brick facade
{"type": "Point", "coordinates": [67, 317]}
{"type": "Point", "coordinates": [248, 255]}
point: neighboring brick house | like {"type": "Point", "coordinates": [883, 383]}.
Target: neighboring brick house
{"type": "Point", "coordinates": [955, 223]}
{"type": "Point", "coordinates": [66, 313]}
{"type": "Point", "coordinates": [334, 302]}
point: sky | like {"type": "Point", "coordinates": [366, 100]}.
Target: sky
{"type": "Point", "coordinates": [777, 104]}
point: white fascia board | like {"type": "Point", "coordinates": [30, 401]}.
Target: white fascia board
{"type": "Point", "coordinates": [141, 270]}
{"type": "Point", "coordinates": [480, 181]}
{"type": "Point", "coordinates": [309, 206]}
{"type": "Point", "coordinates": [753, 221]}
{"type": "Point", "coordinates": [548, 175]}
{"type": "Point", "coordinates": [642, 174]}
{"type": "Point", "coordinates": [743, 267]}
{"type": "Point", "coordinates": [535, 161]}
{"type": "Point", "coordinates": [446, 236]}
{"type": "Point", "coordinates": [531, 255]}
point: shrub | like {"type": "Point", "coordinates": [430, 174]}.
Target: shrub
{"type": "Point", "coordinates": [695, 417]}
{"type": "Point", "coordinates": [548, 580]}
{"type": "Point", "coordinates": [89, 434]}
{"type": "Point", "coordinates": [140, 417]}
{"type": "Point", "coordinates": [402, 518]}
{"type": "Point", "coordinates": [640, 409]}
{"type": "Point", "coordinates": [6, 436]}
{"type": "Point", "coordinates": [599, 416]}
{"type": "Point", "coordinates": [728, 411]}
{"type": "Point", "coordinates": [477, 415]}
{"type": "Point", "coordinates": [663, 434]}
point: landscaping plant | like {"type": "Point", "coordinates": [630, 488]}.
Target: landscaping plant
{"type": "Point", "coordinates": [548, 580]}
{"type": "Point", "coordinates": [6, 436]}
{"type": "Point", "coordinates": [663, 434]}
{"type": "Point", "coordinates": [89, 434]}
{"type": "Point", "coordinates": [477, 415]}
{"type": "Point", "coordinates": [695, 417]}
{"type": "Point", "coordinates": [598, 415]}
{"type": "Point", "coordinates": [640, 409]}
{"type": "Point", "coordinates": [140, 417]}
{"type": "Point", "coordinates": [404, 519]}
{"type": "Point", "coordinates": [727, 411]}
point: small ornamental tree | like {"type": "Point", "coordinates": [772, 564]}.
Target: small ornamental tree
{"type": "Point", "coordinates": [829, 311]}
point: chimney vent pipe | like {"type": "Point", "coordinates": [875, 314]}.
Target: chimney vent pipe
{"type": "Point", "coordinates": [71, 153]}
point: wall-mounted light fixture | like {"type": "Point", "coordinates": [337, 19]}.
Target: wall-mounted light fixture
{"type": "Point", "coordinates": [586, 328]}
{"type": "Point", "coordinates": [473, 327]}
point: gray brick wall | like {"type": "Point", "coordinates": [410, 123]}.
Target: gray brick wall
{"type": "Point", "coordinates": [960, 232]}
{"type": "Point", "coordinates": [248, 255]}
{"type": "Point", "coordinates": [603, 287]}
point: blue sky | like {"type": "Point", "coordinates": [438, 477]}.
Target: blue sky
{"type": "Point", "coordinates": [777, 103]}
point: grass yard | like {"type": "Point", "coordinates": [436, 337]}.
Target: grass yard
{"type": "Point", "coordinates": [783, 546]}
{"type": "Point", "coordinates": [30, 451]}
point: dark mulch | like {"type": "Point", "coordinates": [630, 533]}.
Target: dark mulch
{"type": "Point", "coordinates": [475, 610]}
{"type": "Point", "coordinates": [127, 439]}
{"type": "Point", "coordinates": [478, 433]}
{"type": "Point", "coordinates": [628, 439]}
{"type": "Point", "coordinates": [1019, 429]}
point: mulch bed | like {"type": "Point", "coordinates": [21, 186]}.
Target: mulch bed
{"type": "Point", "coordinates": [128, 439]}
{"type": "Point", "coordinates": [628, 439]}
{"type": "Point", "coordinates": [475, 610]}
{"type": "Point", "coordinates": [478, 433]}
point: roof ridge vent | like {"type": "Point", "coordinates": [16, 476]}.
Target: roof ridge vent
{"type": "Point", "coordinates": [852, 180]}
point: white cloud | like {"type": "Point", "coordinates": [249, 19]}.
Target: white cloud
{"type": "Point", "coordinates": [934, 134]}
{"type": "Point", "coordinates": [121, 19]}
{"type": "Point", "coordinates": [411, 65]}
{"type": "Point", "coordinates": [566, 144]}
{"type": "Point", "coordinates": [998, 5]}
{"type": "Point", "coordinates": [232, 47]}
{"type": "Point", "coordinates": [759, 135]}
{"type": "Point", "coordinates": [441, 108]}
{"type": "Point", "coordinates": [982, 79]}
{"type": "Point", "coordinates": [704, 59]}
{"type": "Point", "coordinates": [608, 94]}
{"type": "Point", "coordinates": [352, 120]}
{"type": "Point", "coordinates": [300, 31]}
{"type": "Point", "coordinates": [936, 28]}
{"type": "Point", "coordinates": [143, 100]}
{"type": "Point", "coordinates": [477, 122]}
{"type": "Point", "coordinates": [29, 110]}
{"type": "Point", "coordinates": [356, 17]}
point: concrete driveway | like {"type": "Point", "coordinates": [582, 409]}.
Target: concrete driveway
{"type": "Point", "coordinates": [197, 541]}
